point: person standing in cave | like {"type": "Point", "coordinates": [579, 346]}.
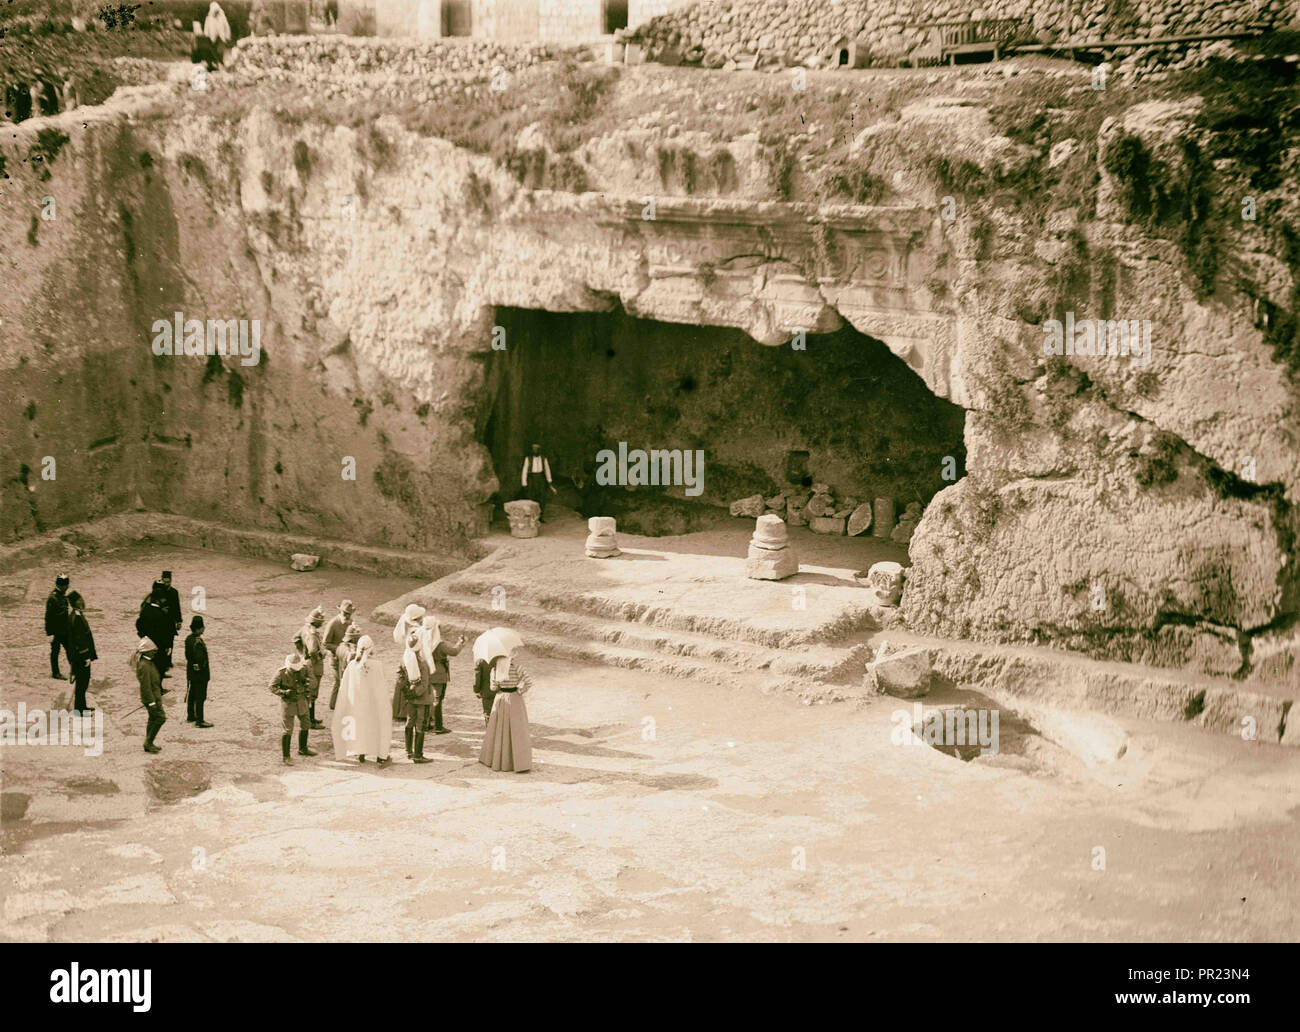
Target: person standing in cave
{"type": "Point", "coordinates": [56, 623]}
{"type": "Point", "coordinates": [536, 478]}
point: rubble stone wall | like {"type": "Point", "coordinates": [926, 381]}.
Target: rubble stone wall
{"type": "Point", "coordinates": [800, 29]}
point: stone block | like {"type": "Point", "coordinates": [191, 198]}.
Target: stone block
{"type": "Point", "coordinates": [302, 562]}
{"type": "Point", "coordinates": [883, 521]}
{"type": "Point", "coordinates": [905, 675]}
{"type": "Point", "coordinates": [776, 565]}
{"type": "Point", "coordinates": [827, 525]}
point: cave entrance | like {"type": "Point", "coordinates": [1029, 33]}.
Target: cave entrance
{"type": "Point", "coordinates": [845, 412]}
{"type": "Point", "coordinates": [613, 15]}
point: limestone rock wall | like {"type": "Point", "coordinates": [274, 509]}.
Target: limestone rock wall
{"type": "Point", "coordinates": [1095, 510]}
{"type": "Point", "coordinates": [800, 29]}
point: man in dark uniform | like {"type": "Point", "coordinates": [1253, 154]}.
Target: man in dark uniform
{"type": "Point", "coordinates": [81, 652]}
{"type": "Point", "coordinates": [290, 684]}
{"type": "Point", "coordinates": [172, 603]}
{"type": "Point", "coordinates": [335, 633]}
{"type": "Point", "coordinates": [157, 623]}
{"type": "Point", "coordinates": [196, 673]}
{"type": "Point", "coordinates": [56, 623]}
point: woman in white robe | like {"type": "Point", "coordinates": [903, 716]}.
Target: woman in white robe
{"type": "Point", "coordinates": [361, 721]}
{"type": "Point", "coordinates": [507, 743]}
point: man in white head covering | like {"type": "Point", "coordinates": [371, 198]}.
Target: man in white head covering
{"type": "Point", "coordinates": [361, 725]}
{"type": "Point", "coordinates": [408, 621]}
{"type": "Point", "coordinates": [146, 673]}
{"type": "Point", "coordinates": [215, 25]}
{"type": "Point", "coordinates": [416, 688]}
{"type": "Point", "coordinates": [290, 684]}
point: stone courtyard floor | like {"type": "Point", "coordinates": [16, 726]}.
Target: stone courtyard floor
{"type": "Point", "coordinates": [659, 808]}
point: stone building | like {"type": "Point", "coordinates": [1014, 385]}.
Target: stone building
{"type": "Point", "coordinates": [511, 20]}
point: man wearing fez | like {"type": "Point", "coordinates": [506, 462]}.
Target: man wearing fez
{"type": "Point", "coordinates": [197, 674]}
{"type": "Point", "coordinates": [56, 623]}
{"type": "Point", "coordinates": [335, 631]}
{"type": "Point", "coordinates": [536, 477]}
{"type": "Point", "coordinates": [310, 642]}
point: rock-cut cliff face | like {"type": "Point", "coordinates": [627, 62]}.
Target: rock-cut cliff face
{"type": "Point", "coordinates": [1130, 506]}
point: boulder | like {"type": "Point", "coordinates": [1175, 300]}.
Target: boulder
{"type": "Point", "coordinates": [776, 503]}
{"type": "Point", "coordinates": [302, 562]}
{"type": "Point", "coordinates": [751, 506]}
{"type": "Point", "coordinates": [860, 519]}
{"type": "Point", "coordinates": [796, 518]}
{"type": "Point", "coordinates": [821, 505]}
{"type": "Point", "coordinates": [905, 675]}
{"type": "Point", "coordinates": [826, 525]}
{"type": "Point", "coordinates": [903, 532]}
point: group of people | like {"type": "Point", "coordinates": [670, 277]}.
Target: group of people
{"type": "Point", "coordinates": [364, 702]}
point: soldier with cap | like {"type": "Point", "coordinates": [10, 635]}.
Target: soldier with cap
{"type": "Point", "coordinates": [347, 650]}
{"type": "Point", "coordinates": [291, 685]}
{"type": "Point", "coordinates": [335, 631]}
{"type": "Point", "coordinates": [310, 642]}
{"type": "Point", "coordinates": [57, 622]}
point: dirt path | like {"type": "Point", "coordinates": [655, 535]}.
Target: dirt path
{"type": "Point", "coordinates": [660, 809]}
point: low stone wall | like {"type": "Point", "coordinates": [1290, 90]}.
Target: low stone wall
{"type": "Point", "coordinates": [802, 29]}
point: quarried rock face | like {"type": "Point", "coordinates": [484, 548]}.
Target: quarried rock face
{"type": "Point", "coordinates": [1103, 503]}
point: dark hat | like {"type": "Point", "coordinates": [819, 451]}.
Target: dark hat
{"type": "Point", "coordinates": [197, 623]}
{"type": "Point", "coordinates": [167, 573]}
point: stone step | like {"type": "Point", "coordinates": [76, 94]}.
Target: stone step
{"type": "Point", "coordinates": [816, 665]}
{"type": "Point", "coordinates": [595, 651]}
{"type": "Point", "coordinates": [471, 583]}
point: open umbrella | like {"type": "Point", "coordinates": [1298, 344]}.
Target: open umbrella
{"type": "Point", "coordinates": [494, 642]}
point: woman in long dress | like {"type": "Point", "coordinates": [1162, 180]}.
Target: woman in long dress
{"type": "Point", "coordinates": [361, 722]}
{"type": "Point", "coordinates": [507, 743]}
{"type": "Point", "coordinates": [408, 621]}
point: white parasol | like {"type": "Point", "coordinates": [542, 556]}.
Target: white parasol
{"type": "Point", "coordinates": [494, 642]}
